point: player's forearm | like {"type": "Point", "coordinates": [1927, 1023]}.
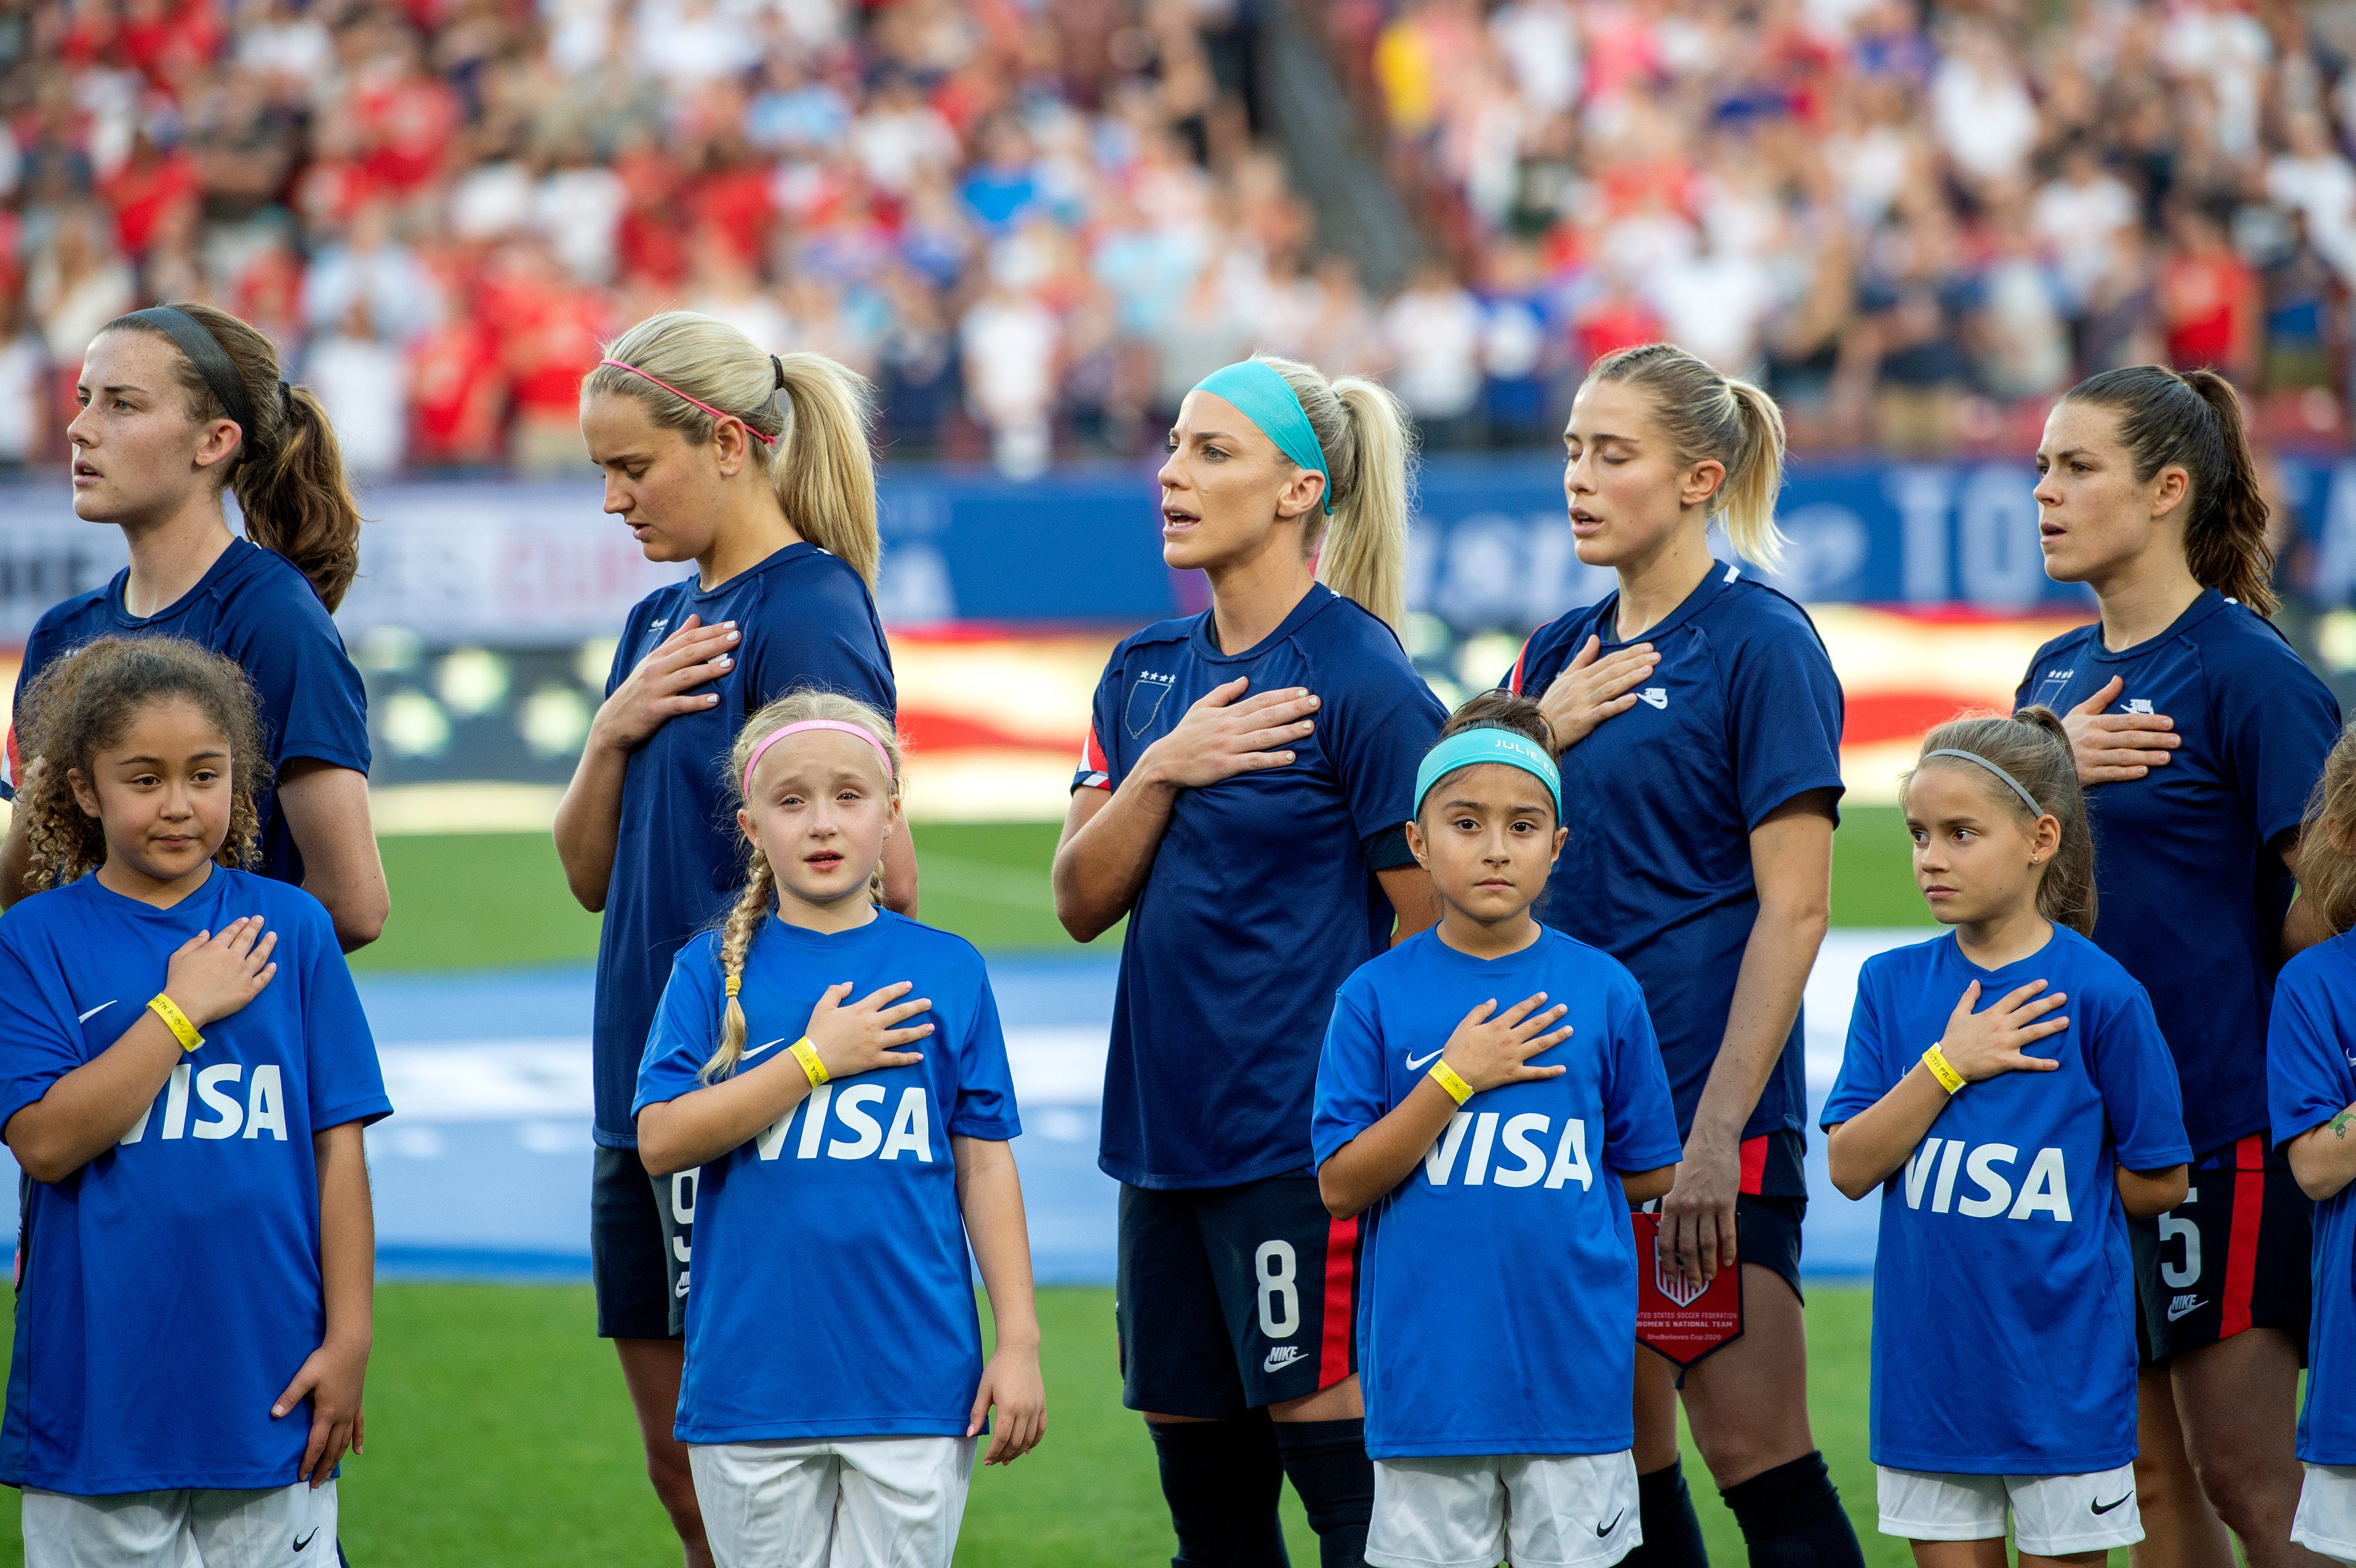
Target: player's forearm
{"type": "Point", "coordinates": [1415, 902]}
{"type": "Point", "coordinates": [1869, 1148]}
{"type": "Point", "coordinates": [589, 822]}
{"type": "Point", "coordinates": [704, 1124]}
{"type": "Point", "coordinates": [2147, 1194]}
{"type": "Point", "coordinates": [1767, 993]}
{"type": "Point", "coordinates": [1103, 861]}
{"type": "Point", "coordinates": [88, 1110]}
{"type": "Point", "coordinates": [346, 1236]}
{"type": "Point", "coordinates": [900, 872]}
{"type": "Point", "coordinates": [326, 812]}
{"type": "Point", "coordinates": [2323, 1157]}
{"type": "Point", "coordinates": [990, 1195]}
{"type": "Point", "coordinates": [1369, 1167]}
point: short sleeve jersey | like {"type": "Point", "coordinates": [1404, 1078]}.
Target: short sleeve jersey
{"type": "Point", "coordinates": [833, 1294]}
{"type": "Point", "coordinates": [2311, 1078]}
{"type": "Point", "coordinates": [255, 607]}
{"type": "Point", "coordinates": [1742, 713]}
{"type": "Point", "coordinates": [2006, 1218]}
{"type": "Point", "coordinates": [171, 1287]}
{"type": "Point", "coordinates": [805, 619]}
{"type": "Point", "coordinates": [2193, 835]}
{"type": "Point", "coordinates": [1263, 896]}
{"type": "Point", "coordinates": [1498, 1301]}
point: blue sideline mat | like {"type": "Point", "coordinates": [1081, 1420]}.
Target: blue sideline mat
{"type": "Point", "coordinates": [483, 1172]}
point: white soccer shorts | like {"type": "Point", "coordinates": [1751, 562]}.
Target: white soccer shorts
{"type": "Point", "coordinates": [2326, 1520]}
{"type": "Point", "coordinates": [2052, 1516]}
{"type": "Point", "coordinates": [276, 1527]}
{"type": "Point", "coordinates": [845, 1502]}
{"type": "Point", "coordinates": [1536, 1510]}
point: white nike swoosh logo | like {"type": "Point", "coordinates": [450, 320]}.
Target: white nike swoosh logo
{"type": "Point", "coordinates": [93, 1012]}
{"type": "Point", "coordinates": [1416, 1063]}
{"type": "Point", "coordinates": [758, 1049]}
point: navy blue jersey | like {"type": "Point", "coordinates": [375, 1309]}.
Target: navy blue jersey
{"type": "Point", "coordinates": [2198, 837]}
{"type": "Point", "coordinates": [254, 607]}
{"type": "Point", "coordinates": [1519, 1203]}
{"type": "Point", "coordinates": [805, 619]}
{"type": "Point", "coordinates": [2311, 1078]}
{"type": "Point", "coordinates": [833, 1297]}
{"type": "Point", "coordinates": [171, 1287]}
{"type": "Point", "coordinates": [1742, 713]}
{"type": "Point", "coordinates": [1261, 898]}
{"type": "Point", "coordinates": [2003, 1288]}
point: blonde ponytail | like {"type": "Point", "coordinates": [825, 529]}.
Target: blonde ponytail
{"type": "Point", "coordinates": [750, 910]}
{"type": "Point", "coordinates": [812, 443]}
{"type": "Point", "coordinates": [1708, 415]}
{"type": "Point", "coordinates": [1369, 442]}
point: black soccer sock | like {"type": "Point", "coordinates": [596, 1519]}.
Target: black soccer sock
{"type": "Point", "coordinates": [1221, 1479]}
{"type": "Point", "coordinates": [1326, 1463]}
{"type": "Point", "coordinates": [1672, 1529]}
{"type": "Point", "coordinates": [1791, 1518]}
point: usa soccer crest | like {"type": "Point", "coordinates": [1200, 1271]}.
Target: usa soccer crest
{"type": "Point", "coordinates": [1678, 1318]}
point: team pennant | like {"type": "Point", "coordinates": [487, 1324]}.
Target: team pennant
{"type": "Point", "coordinates": [1677, 1316]}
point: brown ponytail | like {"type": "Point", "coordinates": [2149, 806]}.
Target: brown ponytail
{"type": "Point", "coordinates": [2194, 422]}
{"type": "Point", "coordinates": [2032, 747]}
{"type": "Point", "coordinates": [288, 473]}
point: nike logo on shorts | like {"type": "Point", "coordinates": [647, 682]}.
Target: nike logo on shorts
{"type": "Point", "coordinates": [758, 1049]}
{"type": "Point", "coordinates": [1280, 1358]}
{"type": "Point", "coordinates": [306, 1541]}
{"type": "Point", "coordinates": [2182, 1304]}
{"type": "Point", "coordinates": [1603, 1530]}
{"type": "Point", "coordinates": [1417, 1063]}
{"type": "Point", "coordinates": [2105, 1507]}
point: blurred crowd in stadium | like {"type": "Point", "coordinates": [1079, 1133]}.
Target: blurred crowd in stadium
{"type": "Point", "coordinates": [1036, 222]}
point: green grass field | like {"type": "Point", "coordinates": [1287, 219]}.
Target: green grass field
{"type": "Point", "coordinates": [466, 901]}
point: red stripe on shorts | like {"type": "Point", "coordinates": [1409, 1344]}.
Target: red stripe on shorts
{"type": "Point", "coordinates": [2242, 1250]}
{"type": "Point", "coordinates": [1341, 1303]}
{"type": "Point", "coordinates": [1754, 1164]}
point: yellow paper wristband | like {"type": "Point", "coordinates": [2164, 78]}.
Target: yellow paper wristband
{"type": "Point", "coordinates": [1936, 1060]}
{"type": "Point", "coordinates": [164, 1008]}
{"type": "Point", "coordinates": [807, 1054]}
{"type": "Point", "coordinates": [1445, 1076]}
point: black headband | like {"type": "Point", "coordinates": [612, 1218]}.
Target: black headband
{"type": "Point", "coordinates": [211, 360]}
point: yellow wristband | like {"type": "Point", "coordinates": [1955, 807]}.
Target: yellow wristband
{"type": "Point", "coordinates": [164, 1008]}
{"type": "Point", "coordinates": [805, 1053]}
{"type": "Point", "coordinates": [1445, 1076]}
{"type": "Point", "coordinates": [1936, 1060]}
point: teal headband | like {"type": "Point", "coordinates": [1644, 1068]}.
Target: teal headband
{"type": "Point", "coordinates": [1266, 399]}
{"type": "Point", "coordinates": [1487, 743]}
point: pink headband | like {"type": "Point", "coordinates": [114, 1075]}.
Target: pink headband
{"type": "Point", "coordinates": [774, 736]}
{"type": "Point", "coordinates": [682, 397]}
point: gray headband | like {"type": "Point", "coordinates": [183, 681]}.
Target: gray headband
{"type": "Point", "coordinates": [2026, 799]}
{"type": "Point", "coordinates": [211, 360]}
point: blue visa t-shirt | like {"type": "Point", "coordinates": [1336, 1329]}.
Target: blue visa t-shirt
{"type": "Point", "coordinates": [2003, 1230]}
{"type": "Point", "coordinates": [255, 607]}
{"type": "Point", "coordinates": [804, 619]}
{"type": "Point", "coordinates": [171, 1287]}
{"type": "Point", "coordinates": [2191, 836]}
{"type": "Point", "coordinates": [1261, 898]}
{"type": "Point", "coordinates": [1518, 1206]}
{"type": "Point", "coordinates": [1742, 713]}
{"type": "Point", "coordinates": [840, 1221]}
{"type": "Point", "coordinates": [2311, 1078]}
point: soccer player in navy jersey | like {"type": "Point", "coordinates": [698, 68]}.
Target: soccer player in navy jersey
{"type": "Point", "coordinates": [185, 1071]}
{"type": "Point", "coordinates": [1699, 723]}
{"type": "Point", "coordinates": [774, 501]}
{"type": "Point", "coordinates": [1242, 798]}
{"type": "Point", "coordinates": [2011, 1157]}
{"type": "Point", "coordinates": [1491, 1098]}
{"type": "Point", "coordinates": [180, 403]}
{"type": "Point", "coordinates": [2199, 734]}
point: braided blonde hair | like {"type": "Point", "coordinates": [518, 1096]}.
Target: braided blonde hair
{"type": "Point", "coordinates": [744, 918]}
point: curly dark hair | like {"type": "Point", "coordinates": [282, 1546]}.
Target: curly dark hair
{"type": "Point", "coordinates": [83, 704]}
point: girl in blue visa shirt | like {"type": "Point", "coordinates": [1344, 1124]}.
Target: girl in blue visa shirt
{"type": "Point", "coordinates": [2311, 1087]}
{"type": "Point", "coordinates": [1483, 1144]}
{"type": "Point", "coordinates": [184, 1074]}
{"type": "Point", "coordinates": [844, 1176]}
{"type": "Point", "coordinates": [2010, 1155]}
